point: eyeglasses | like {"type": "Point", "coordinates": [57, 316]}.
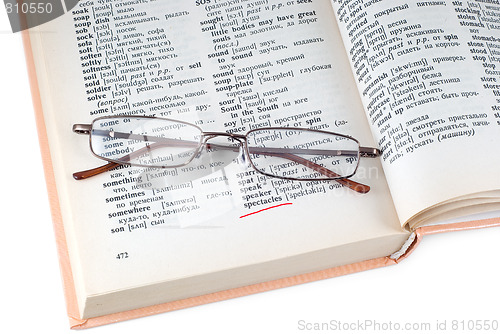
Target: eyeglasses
{"type": "Point", "coordinates": [280, 152]}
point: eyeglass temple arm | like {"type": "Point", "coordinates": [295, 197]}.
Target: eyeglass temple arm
{"type": "Point", "coordinates": [358, 187]}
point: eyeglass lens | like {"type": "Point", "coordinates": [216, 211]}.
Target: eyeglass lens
{"type": "Point", "coordinates": [145, 141]}
{"type": "Point", "coordinates": [302, 154]}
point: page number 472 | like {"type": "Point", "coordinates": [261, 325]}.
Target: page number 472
{"type": "Point", "coordinates": [122, 256]}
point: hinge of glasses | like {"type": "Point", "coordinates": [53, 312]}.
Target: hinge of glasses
{"type": "Point", "coordinates": [82, 129]}
{"type": "Point", "coordinates": [369, 152]}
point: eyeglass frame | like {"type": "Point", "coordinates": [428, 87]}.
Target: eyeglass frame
{"type": "Point", "coordinates": [363, 152]}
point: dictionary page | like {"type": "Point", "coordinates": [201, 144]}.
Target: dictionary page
{"type": "Point", "coordinates": [429, 78]}
{"type": "Point", "coordinates": [145, 236]}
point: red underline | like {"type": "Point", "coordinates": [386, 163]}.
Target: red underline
{"type": "Point", "coordinates": [272, 207]}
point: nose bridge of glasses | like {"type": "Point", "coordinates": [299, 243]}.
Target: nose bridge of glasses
{"type": "Point", "coordinates": [210, 135]}
{"type": "Point", "coordinates": [240, 139]}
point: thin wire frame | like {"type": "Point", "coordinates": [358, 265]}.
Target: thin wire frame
{"type": "Point", "coordinates": [242, 139]}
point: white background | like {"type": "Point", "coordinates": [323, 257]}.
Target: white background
{"type": "Point", "coordinates": [452, 276]}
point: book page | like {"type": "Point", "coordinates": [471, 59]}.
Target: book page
{"type": "Point", "coordinates": [226, 66]}
{"type": "Point", "coordinates": [429, 77]}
